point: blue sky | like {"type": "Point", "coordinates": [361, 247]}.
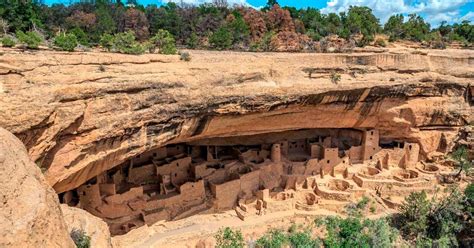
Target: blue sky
{"type": "Point", "coordinates": [434, 11]}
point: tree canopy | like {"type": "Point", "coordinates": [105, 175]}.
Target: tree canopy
{"type": "Point", "coordinates": [197, 26]}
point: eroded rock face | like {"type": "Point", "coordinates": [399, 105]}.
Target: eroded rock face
{"type": "Point", "coordinates": [81, 114]}
{"type": "Point", "coordinates": [30, 215]}
{"type": "Point", "coordinates": [94, 227]}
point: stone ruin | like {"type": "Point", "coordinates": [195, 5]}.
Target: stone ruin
{"type": "Point", "coordinates": [303, 171]}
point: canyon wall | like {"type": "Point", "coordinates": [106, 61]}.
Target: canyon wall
{"type": "Point", "coordinates": [80, 114]}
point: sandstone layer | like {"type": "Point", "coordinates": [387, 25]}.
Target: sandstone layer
{"type": "Point", "coordinates": [30, 215]}
{"type": "Point", "coordinates": [80, 114]}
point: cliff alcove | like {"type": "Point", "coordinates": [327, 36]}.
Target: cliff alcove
{"type": "Point", "coordinates": [152, 138]}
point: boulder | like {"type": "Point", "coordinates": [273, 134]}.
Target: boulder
{"type": "Point", "coordinates": [30, 215]}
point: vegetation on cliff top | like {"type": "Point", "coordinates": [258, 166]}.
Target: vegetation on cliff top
{"type": "Point", "coordinates": [216, 25]}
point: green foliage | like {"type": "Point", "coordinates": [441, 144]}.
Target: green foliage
{"type": "Point", "coordinates": [192, 41]}
{"type": "Point", "coordinates": [239, 29]}
{"type": "Point", "coordinates": [185, 56]}
{"type": "Point", "coordinates": [81, 36]}
{"type": "Point", "coordinates": [415, 29]}
{"type": "Point", "coordinates": [357, 232]}
{"type": "Point", "coordinates": [107, 41]}
{"type": "Point", "coordinates": [80, 238]}
{"type": "Point", "coordinates": [435, 222]}
{"type": "Point", "coordinates": [414, 213]}
{"type": "Point", "coordinates": [335, 77]}
{"type": "Point", "coordinates": [164, 41]}
{"type": "Point", "coordinates": [394, 27]}
{"type": "Point", "coordinates": [264, 44]}
{"type": "Point", "coordinates": [469, 192]}
{"type": "Point", "coordinates": [461, 160]}
{"type": "Point", "coordinates": [20, 15]}
{"type": "Point", "coordinates": [380, 43]}
{"type": "Point", "coordinates": [7, 41]}
{"type": "Point", "coordinates": [302, 239]}
{"type": "Point", "coordinates": [242, 28]}
{"type": "Point", "coordinates": [105, 24]}
{"type": "Point", "coordinates": [272, 239]}
{"type": "Point", "coordinates": [30, 39]}
{"type": "Point", "coordinates": [66, 42]}
{"type": "Point", "coordinates": [228, 238]}
{"type": "Point", "coordinates": [221, 39]}
{"type": "Point", "coordinates": [126, 43]}
{"type": "Point", "coordinates": [361, 20]}
{"type": "Point", "coordinates": [294, 238]}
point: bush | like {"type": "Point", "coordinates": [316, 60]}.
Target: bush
{"type": "Point", "coordinates": [126, 43]}
{"type": "Point", "coordinates": [272, 239]}
{"type": "Point", "coordinates": [227, 238]}
{"type": "Point", "coordinates": [221, 39]}
{"type": "Point", "coordinates": [81, 36]}
{"type": "Point", "coordinates": [31, 40]}
{"type": "Point", "coordinates": [107, 41]}
{"type": "Point", "coordinates": [434, 222]}
{"type": "Point", "coordinates": [302, 239]}
{"type": "Point", "coordinates": [193, 41]}
{"type": "Point", "coordinates": [357, 232]}
{"type": "Point", "coordinates": [8, 41]}
{"type": "Point", "coordinates": [335, 77]}
{"type": "Point", "coordinates": [185, 56]}
{"type": "Point", "coordinates": [461, 160]}
{"type": "Point", "coordinates": [164, 41]}
{"type": "Point", "coordinates": [66, 42]}
{"type": "Point", "coordinates": [414, 212]}
{"type": "Point", "coordinates": [366, 39]}
{"type": "Point", "coordinates": [380, 43]}
{"type": "Point", "coordinates": [80, 238]}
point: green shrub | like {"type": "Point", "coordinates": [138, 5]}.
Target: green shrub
{"type": "Point", "coordinates": [414, 212]}
{"type": "Point", "coordinates": [366, 39]}
{"type": "Point", "coordinates": [228, 238]}
{"type": "Point", "coordinates": [81, 36]}
{"type": "Point", "coordinates": [66, 42]}
{"type": "Point", "coordinates": [185, 56]}
{"type": "Point", "coordinates": [164, 41]}
{"type": "Point", "coordinates": [126, 43]}
{"type": "Point", "coordinates": [335, 77]}
{"type": "Point", "coordinates": [302, 239]}
{"type": "Point", "coordinates": [272, 239]}
{"type": "Point", "coordinates": [31, 40]}
{"type": "Point", "coordinates": [380, 43]}
{"type": "Point", "coordinates": [357, 232]}
{"type": "Point", "coordinates": [193, 41]}
{"type": "Point", "coordinates": [8, 41]}
{"type": "Point", "coordinates": [461, 160]}
{"type": "Point", "coordinates": [433, 221]}
{"type": "Point", "coordinates": [80, 238]}
{"type": "Point", "coordinates": [221, 39]}
{"type": "Point", "coordinates": [469, 192]}
{"type": "Point", "coordinates": [107, 41]}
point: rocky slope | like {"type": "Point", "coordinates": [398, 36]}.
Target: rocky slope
{"type": "Point", "coordinates": [82, 113]}
{"type": "Point", "coordinates": [30, 215]}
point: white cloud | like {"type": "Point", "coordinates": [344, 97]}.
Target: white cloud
{"type": "Point", "coordinates": [434, 11]}
{"type": "Point", "coordinates": [469, 16]}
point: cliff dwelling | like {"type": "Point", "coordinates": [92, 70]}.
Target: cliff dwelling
{"type": "Point", "coordinates": [265, 172]}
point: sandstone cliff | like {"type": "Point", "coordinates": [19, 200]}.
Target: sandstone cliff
{"type": "Point", "coordinates": [30, 215]}
{"type": "Point", "coordinates": [82, 113]}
